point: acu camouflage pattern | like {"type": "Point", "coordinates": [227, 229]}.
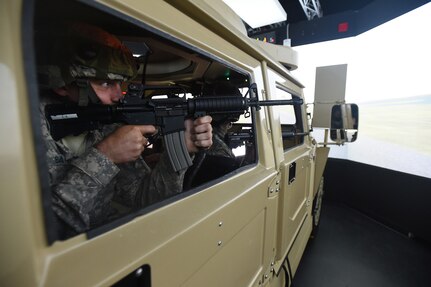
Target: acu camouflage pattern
{"type": "Point", "coordinates": [219, 146]}
{"type": "Point", "coordinates": [85, 186]}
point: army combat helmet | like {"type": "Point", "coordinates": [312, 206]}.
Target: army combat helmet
{"type": "Point", "coordinates": [88, 52]}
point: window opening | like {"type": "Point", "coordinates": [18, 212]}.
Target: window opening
{"type": "Point", "coordinates": [166, 71]}
{"type": "Point", "coordinates": [290, 119]}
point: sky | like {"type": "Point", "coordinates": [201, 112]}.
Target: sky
{"type": "Point", "coordinates": [392, 60]}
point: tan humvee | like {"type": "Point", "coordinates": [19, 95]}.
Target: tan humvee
{"type": "Point", "coordinates": [246, 226]}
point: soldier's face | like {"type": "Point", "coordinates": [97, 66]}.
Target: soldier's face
{"type": "Point", "coordinates": [108, 91]}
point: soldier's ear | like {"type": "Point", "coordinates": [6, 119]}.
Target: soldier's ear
{"type": "Point", "coordinates": [61, 91]}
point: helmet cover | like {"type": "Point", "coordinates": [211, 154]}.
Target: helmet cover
{"type": "Point", "coordinates": [90, 52]}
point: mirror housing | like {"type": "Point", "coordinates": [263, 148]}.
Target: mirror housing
{"type": "Point", "coordinates": [344, 123]}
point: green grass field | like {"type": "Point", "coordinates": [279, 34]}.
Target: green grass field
{"type": "Point", "coordinates": [408, 125]}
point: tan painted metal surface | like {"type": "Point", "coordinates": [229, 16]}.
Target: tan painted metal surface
{"type": "Point", "coordinates": [235, 232]}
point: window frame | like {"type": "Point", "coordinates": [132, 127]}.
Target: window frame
{"type": "Point", "coordinates": [51, 225]}
{"type": "Point", "coordinates": [299, 126]}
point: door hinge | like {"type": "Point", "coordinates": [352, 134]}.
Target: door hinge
{"type": "Point", "coordinates": [274, 187]}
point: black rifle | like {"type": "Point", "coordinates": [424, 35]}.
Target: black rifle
{"type": "Point", "coordinates": [167, 114]}
{"type": "Point", "coordinates": [237, 139]}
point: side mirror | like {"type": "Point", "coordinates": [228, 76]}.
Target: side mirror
{"type": "Point", "coordinates": [344, 123]}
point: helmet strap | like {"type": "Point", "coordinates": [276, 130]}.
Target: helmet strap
{"type": "Point", "coordinates": [86, 93]}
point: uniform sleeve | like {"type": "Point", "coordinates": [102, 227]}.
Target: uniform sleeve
{"type": "Point", "coordinates": [81, 197]}
{"type": "Point", "coordinates": [163, 183]}
{"type": "Point", "coordinates": [220, 148]}
{"type": "Point", "coordinates": [83, 187]}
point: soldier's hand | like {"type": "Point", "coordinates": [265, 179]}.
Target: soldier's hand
{"type": "Point", "coordinates": [126, 143]}
{"type": "Point", "coordinates": [198, 134]}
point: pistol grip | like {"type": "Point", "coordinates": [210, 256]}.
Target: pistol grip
{"type": "Point", "coordinates": [177, 150]}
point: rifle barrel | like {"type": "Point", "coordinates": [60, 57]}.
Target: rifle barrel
{"type": "Point", "coordinates": [277, 102]}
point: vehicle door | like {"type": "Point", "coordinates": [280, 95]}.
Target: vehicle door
{"type": "Point", "coordinates": [293, 152]}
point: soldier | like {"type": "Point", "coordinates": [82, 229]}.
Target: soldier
{"type": "Point", "coordinates": [96, 170]}
{"type": "Point", "coordinates": [219, 146]}
{"type": "Point", "coordinates": [219, 159]}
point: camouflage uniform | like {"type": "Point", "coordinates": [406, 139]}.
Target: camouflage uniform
{"type": "Point", "coordinates": [85, 184]}
{"type": "Point", "coordinates": [219, 146]}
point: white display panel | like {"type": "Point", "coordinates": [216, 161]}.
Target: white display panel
{"type": "Point", "coordinates": [388, 77]}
